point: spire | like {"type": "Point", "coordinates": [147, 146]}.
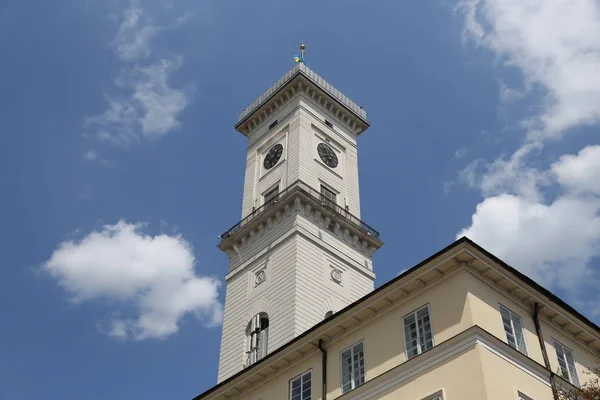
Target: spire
{"type": "Point", "coordinates": [300, 59]}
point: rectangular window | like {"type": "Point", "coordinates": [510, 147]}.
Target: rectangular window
{"type": "Point", "coordinates": [300, 387]}
{"type": "Point", "coordinates": [566, 362]}
{"type": "Point", "coordinates": [418, 336]}
{"type": "Point", "coordinates": [329, 124]}
{"type": "Point", "coordinates": [328, 197]}
{"type": "Point", "coordinates": [514, 329]}
{"type": "Point", "coordinates": [273, 124]}
{"type": "Point", "coordinates": [523, 397]}
{"type": "Point", "coordinates": [271, 196]}
{"type": "Point", "coordinates": [353, 367]}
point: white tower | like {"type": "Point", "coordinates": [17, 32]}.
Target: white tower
{"type": "Point", "coordinates": [300, 250]}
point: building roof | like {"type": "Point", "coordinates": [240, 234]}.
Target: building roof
{"type": "Point", "coordinates": [463, 240]}
{"type": "Point", "coordinates": [301, 69]}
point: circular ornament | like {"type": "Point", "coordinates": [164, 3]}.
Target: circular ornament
{"type": "Point", "coordinates": [260, 277]}
{"type": "Point", "coordinates": [336, 275]}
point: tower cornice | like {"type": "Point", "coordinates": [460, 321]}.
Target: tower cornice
{"type": "Point", "coordinates": [299, 197]}
{"type": "Point", "coordinates": [301, 79]}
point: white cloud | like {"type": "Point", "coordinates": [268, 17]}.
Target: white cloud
{"type": "Point", "coordinates": [155, 274]}
{"type": "Point", "coordinates": [90, 155]}
{"type": "Point", "coordinates": [580, 173]}
{"type": "Point", "coordinates": [133, 37]}
{"type": "Point", "coordinates": [145, 106]}
{"type": "Point", "coordinates": [460, 153]}
{"type": "Point", "coordinates": [552, 242]}
{"type": "Point", "coordinates": [555, 45]}
{"type": "Point", "coordinates": [543, 220]}
{"type": "Point", "coordinates": [507, 175]}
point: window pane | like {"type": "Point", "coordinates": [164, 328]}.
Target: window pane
{"type": "Point", "coordinates": [520, 339]}
{"type": "Point", "coordinates": [571, 366]}
{"type": "Point", "coordinates": [346, 370]}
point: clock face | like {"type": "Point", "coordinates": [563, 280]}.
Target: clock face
{"type": "Point", "coordinates": [273, 156]}
{"type": "Point", "coordinates": [327, 155]}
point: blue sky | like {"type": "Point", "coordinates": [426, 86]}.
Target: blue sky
{"type": "Point", "coordinates": [119, 164]}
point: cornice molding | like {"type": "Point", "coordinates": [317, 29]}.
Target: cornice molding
{"type": "Point", "coordinates": [301, 84]}
{"type": "Point", "coordinates": [526, 296]}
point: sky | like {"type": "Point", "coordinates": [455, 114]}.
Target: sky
{"type": "Point", "coordinates": [119, 164]}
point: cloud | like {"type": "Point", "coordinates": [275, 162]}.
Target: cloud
{"type": "Point", "coordinates": [154, 275]}
{"type": "Point", "coordinates": [90, 155]}
{"type": "Point", "coordinates": [555, 45]}
{"type": "Point", "coordinates": [460, 153]}
{"type": "Point", "coordinates": [543, 219]}
{"type": "Point", "coordinates": [580, 173]}
{"type": "Point", "coordinates": [552, 242]}
{"type": "Point", "coordinates": [144, 105]}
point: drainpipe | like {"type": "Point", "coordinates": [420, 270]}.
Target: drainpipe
{"type": "Point", "coordinates": [538, 329]}
{"type": "Point", "coordinates": [323, 368]}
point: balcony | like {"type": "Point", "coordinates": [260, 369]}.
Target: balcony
{"type": "Point", "coordinates": [302, 188]}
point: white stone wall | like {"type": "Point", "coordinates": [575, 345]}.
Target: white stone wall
{"type": "Point", "coordinates": [298, 254]}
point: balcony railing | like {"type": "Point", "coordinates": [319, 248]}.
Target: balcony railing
{"type": "Point", "coordinates": [307, 190]}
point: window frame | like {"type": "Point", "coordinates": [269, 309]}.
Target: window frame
{"type": "Point", "coordinates": [439, 395]}
{"type": "Point", "coordinates": [300, 376]}
{"type": "Point", "coordinates": [351, 348]}
{"type": "Point", "coordinates": [323, 191]}
{"type": "Point", "coordinates": [564, 350]}
{"type": "Point", "coordinates": [414, 312]}
{"type": "Point", "coordinates": [522, 396]}
{"type": "Point", "coordinates": [267, 203]}
{"type": "Point", "coordinates": [511, 314]}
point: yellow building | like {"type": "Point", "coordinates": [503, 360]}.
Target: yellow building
{"type": "Point", "coordinates": [302, 319]}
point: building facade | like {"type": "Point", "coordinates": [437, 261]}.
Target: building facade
{"type": "Point", "coordinates": [302, 319]}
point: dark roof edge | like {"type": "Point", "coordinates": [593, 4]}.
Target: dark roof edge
{"type": "Point", "coordinates": [451, 246]}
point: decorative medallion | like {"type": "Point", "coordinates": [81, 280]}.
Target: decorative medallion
{"type": "Point", "coordinates": [260, 277]}
{"type": "Point", "coordinates": [273, 156]}
{"type": "Point", "coordinates": [327, 155]}
{"type": "Point", "coordinates": [336, 275]}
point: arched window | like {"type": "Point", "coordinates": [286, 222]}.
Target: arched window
{"type": "Point", "coordinates": [257, 334]}
{"type": "Point", "coordinates": [328, 314]}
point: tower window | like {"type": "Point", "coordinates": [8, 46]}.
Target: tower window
{"type": "Point", "coordinates": [353, 367]}
{"type": "Point", "coordinates": [271, 196]}
{"type": "Point", "coordinates": [328, 197]}
{"type": "Point", "coordinates": [273, 124]}
{"type": "Point", "coordinates": [301, 387]}
{"type": "Point", "coordinates": [329, 124]}
{"type": "Point", "coordinates": [257, 335]}
{"type": "Point", "coordinates": [418, 336]}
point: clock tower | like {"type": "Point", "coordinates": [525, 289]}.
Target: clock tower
{"type": "Point", "coordinates": [301, 250]}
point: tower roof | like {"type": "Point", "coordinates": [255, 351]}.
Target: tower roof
{"type": "Point", "coordinates": [300, 70]}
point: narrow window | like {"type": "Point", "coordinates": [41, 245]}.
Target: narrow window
{"type": "Point", "coordinates": [328, 197]}
{"type": "Point", "coordinates": [329, 124]}
{"type": "Point", "coordinates": [300, 387]}
{"type": "Point", "coordinates": [418, 336]}
{"type": "Point", "coordinates": [523, 397]}
{"type": "Point", "coordinates": [257, 337]}
{"type": "Point", "coordinates": [514, 329]}
{"type": "Point", "coordinates": [353, 367]}
{"type": "Point", "coordinates": [566, 363]}
{"type": "Point", "coordinates": [273, 124]}
{"type": "Point", "coordinates": [271, 196]}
